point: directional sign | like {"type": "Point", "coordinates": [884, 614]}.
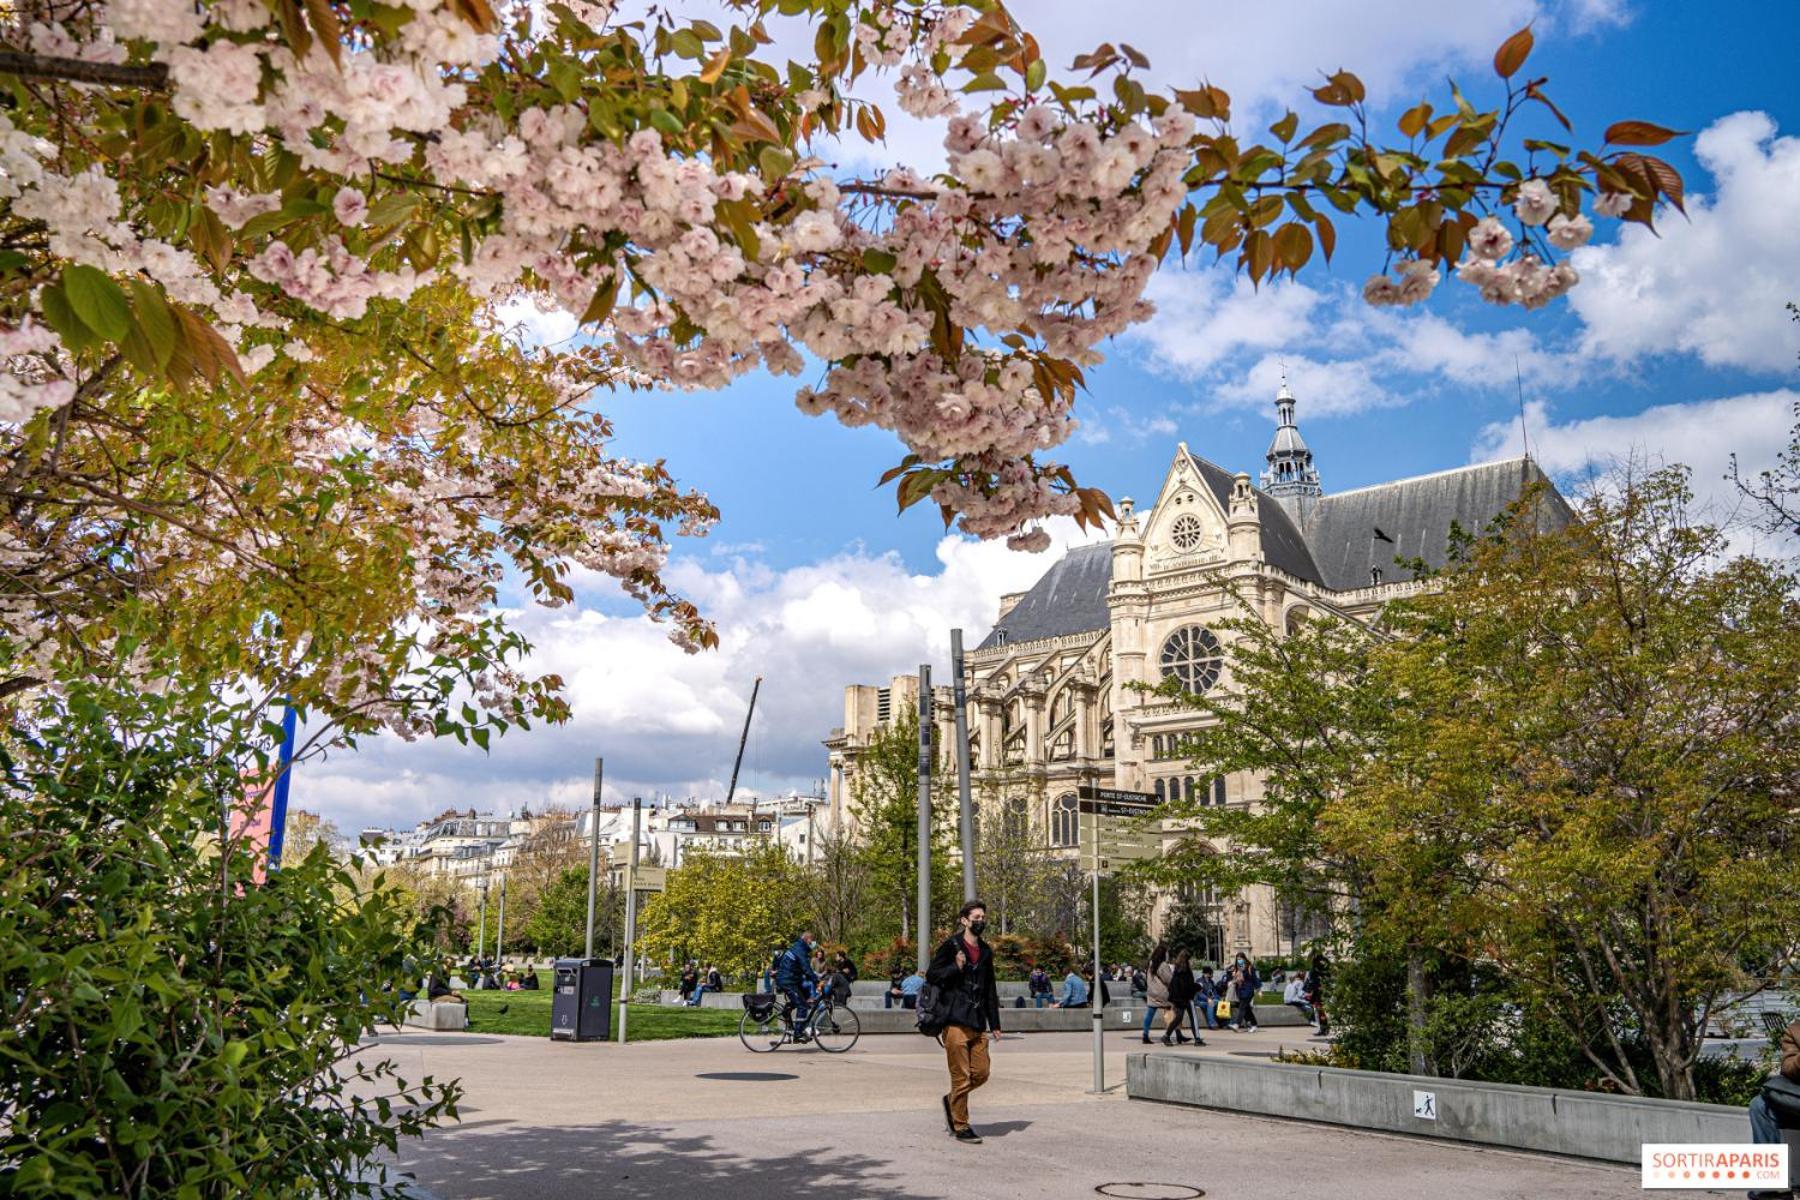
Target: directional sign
{"type": "Point", "coordinates": [1117, 796]}
{"type": "Point", "coordinates": [649, 879]}
{"type": "Point", "coordinates": [1118, 842]}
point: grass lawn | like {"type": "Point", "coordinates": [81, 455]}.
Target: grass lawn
{"type": "Point", "coordinates": [528, 1013]}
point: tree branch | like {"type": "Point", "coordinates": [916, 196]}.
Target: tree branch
{"type": "Point", "coordinates": [151, 76]}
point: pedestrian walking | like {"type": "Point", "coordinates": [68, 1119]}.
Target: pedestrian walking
{"type": "Point", "coordinates": [1156, 988]}
{"type": "Point", "coordinates": [1315, 993]}
{"type": "Point", "coordinates": [1187, 986]}
{"type": "Point", "coordinates": [962, 970]}
{"type": "Point", "coordinates": [1180, 974]}
{"type": "Point", "coordinates": [1243, 1006]}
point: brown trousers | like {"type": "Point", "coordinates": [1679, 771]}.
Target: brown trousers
{"type": "Point", "coordinates": [967, 1051]}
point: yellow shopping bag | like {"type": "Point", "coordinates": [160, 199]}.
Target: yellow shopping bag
{"type": "Point", "coordinates": [1224, 1010]}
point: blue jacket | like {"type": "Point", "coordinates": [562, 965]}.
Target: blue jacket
{"type": "Point", "coordinates": [1075, 991]}
{"type": "Point", "coordinates": [796, 966]}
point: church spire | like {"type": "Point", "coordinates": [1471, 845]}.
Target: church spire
{"type": "Point", "coordinates": [1290, 471]}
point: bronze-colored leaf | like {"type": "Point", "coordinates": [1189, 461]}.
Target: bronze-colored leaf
{"type": "Point", "coordinates": [1511, 54]}
{"type": "Point", "coordinates": [1293, 245]}
{"type": "Point", "coordinates": [1640, 133]}
{"type": "Point", "coordinates": [325, 24]}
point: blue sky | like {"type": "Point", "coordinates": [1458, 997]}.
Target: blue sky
{"type": "Point", "coordinates": [1673, 347]}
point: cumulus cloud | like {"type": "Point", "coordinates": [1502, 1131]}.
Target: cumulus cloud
{"type": "Point", "coordinates": [1702, 435]}
{"type": "Point", "coordinates": [1716, 284]}
{"type": "Point", "coordinates": [666, 722]}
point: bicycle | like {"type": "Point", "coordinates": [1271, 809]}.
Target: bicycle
{"type": "Point", "coordinates": [768, 1024]}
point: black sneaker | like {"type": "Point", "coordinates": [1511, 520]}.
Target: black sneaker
{"type": "Point", "coordinates": [949, 1121]}
{"type": "Point", "coordinates": [969, 1136]}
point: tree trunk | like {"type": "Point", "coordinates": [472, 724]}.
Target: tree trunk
{"type": "Point", "coordinates": [1418, 991]}
{"type": "Point", "coordinates": [1671, 1053]}
{"type": "Point", "coordinates": [904, 923]}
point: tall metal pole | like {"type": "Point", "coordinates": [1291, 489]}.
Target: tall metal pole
{"type": "Point", "coordinates": [924, 910]}
{"type": "Point", "coordinates": [1095, 996]}
{"type": "Point", "coordinates": [481, 930]}
{"type": "Point", "coordinates": [500, 933]}
{"type": "Point", "coordinates": [962, 764]}
{"type": "Point", "coordinates": [594, 856]}
{"type": "Point", "coordinates": [742, 738]}
{"type": "Point", "coordinates": [637, 817]}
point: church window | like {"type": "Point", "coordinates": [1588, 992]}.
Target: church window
{"type": "Point", "coordinates": [1160, 797]}
{"type": "Point", "coordinates": [1016, 820]}
{"type": "Point", "coordinates": [1065, 821]}
{"type": "Point", "coordinates": [1218, 790]}
{"type": "Point", "coordinates": [1375, 576]}
{"type": "Point", "coordinates": [1186, 533]}
{"type": "Point", "coordinates": [1156, 746]}
{"type": "Point", "coordinates": [1192, 656]}
{"type": "Point", "coordinates": [1190, 789]}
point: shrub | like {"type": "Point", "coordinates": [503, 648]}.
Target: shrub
{"type": "Point", "coordinates": [176, 1029]}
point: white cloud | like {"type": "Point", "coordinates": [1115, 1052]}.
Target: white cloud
{"type": "Point", "coordinates": [1703, 435]}
{"type": "Point", "coordinates": [1716, 284]}
{"type": "Point", "coordinates": [668, 722]}
{"type": "Point", "coordinates": [544, 326]}
{"type": "Point", "coordinates": [1206, 315]}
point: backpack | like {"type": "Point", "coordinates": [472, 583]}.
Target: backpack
{"type": "Point", "coordinates": [934, 1010]}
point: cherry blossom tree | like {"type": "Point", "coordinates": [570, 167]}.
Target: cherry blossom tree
{"type": "Point", "coordinates": [260, 406]}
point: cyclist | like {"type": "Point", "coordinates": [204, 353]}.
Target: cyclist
{"type": "Point", "coordinates": [795, 977]}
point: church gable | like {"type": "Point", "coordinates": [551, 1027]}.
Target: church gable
{"type": "Point", "coordinates": [1186, 527]}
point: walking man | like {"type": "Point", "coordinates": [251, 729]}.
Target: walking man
{"type": "Point", "coordinates": [963, 970]}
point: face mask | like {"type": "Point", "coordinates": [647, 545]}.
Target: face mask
{"type": "Point", "coordinates": [975, 927]}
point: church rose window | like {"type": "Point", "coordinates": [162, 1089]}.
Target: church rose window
{"type": "Point", "coordinates": [1186, 532]}
{"type": "Point", "coordinates": [1192, 655]}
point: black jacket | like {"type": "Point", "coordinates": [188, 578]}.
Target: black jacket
{"type": "Point", "coordinates": [972, 999]}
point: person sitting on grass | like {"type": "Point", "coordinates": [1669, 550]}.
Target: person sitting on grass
{"type": "Point", "coordinates": [529, 982]}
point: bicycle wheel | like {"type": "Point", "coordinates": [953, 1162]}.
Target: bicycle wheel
{"type": "Point", "coordinates": [835, 1028]}
{"type": "Point", "coordinates": [761, 1034]}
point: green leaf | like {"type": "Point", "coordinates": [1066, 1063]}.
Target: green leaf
{"type": "Point", "coordinates": [61, 317]}
{"type": "Point", "coordinates": [878, 262]}
{"type": "Point", "coordinates": [97, 300]}
{"type": "Point", "coordinates": [667, 122]}
{"type": "Point", "coordinates": [234, 1051]}
{"type": "Point", "coordinates": [1035, 75]}
{"type": "Point", "coordinates": [154, 320]}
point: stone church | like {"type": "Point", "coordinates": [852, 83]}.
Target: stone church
{"type": "Point", "coordinates": [1050, 702]}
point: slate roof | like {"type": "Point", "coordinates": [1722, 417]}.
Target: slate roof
{"type": "Point", "coordinates": [1352, 533]}
{"type": "Point", "coordinates": [1070, 598]}
{"type": "Point", "coordinates": [1282, 544]}
{"type": "Point", "coordinates": [1332, 540]}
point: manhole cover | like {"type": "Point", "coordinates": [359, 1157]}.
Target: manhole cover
{"type": "Point", "coordinates": [1150, 1191]}
{"type": "Point", "coordinates": [747, 1076]}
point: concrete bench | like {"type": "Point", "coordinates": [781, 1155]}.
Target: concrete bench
{"type": "Point", "coordinates": [450, 1015]}
{"type": "Point", "coordinates": [1548, 1120]}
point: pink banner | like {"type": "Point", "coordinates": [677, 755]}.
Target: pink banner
{"type": "Point", "coordinates": [250, 820]}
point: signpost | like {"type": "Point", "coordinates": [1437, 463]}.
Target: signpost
{"type": "Point", "coordinates": [1107, 835]}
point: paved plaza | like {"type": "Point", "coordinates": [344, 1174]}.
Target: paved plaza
{"type": "Point", "coordinates": [703, 1117]}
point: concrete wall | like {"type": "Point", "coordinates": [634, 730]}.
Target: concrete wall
{"type": "Point", "coordinates": [877, 1019]}
{"type": "Point", "coordinates": [1583, 1124]}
